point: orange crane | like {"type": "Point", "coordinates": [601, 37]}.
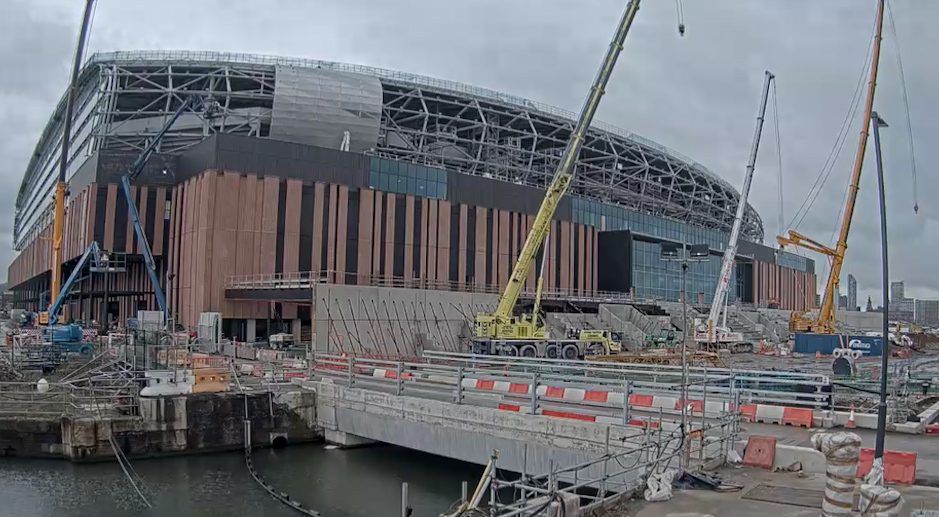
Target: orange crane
{"type": "Point", "coordinates": [58, 208]}
{"type": "Point", "coordinates": [825, 322]}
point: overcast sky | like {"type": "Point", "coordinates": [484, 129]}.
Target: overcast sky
{"type": "Point", "coordinates": [698, 94]}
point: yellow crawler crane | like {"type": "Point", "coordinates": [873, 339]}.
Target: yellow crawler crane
{"type": "Point", "coordinates": [501, 332]}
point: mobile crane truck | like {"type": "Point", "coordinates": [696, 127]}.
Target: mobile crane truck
{"type": "Point", "coordinates": [713, 333]}
{"type": "Point", "coordinates": [503, 333]}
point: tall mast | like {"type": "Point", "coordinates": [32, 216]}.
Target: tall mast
{"type": "Point", "coordinates": [826, 314]}
{"type": "Point", "coordinates": [58, 210]}
{"type": "Point", "coordinates": [723, 281]}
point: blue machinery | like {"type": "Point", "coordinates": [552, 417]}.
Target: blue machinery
{"type": "Point", "coordinates": [98, 261]}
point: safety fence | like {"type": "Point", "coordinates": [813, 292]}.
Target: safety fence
{"type": "Point", "coordinates": [602, 400]}
{"type": "Point", "coordinates": [752, 386]}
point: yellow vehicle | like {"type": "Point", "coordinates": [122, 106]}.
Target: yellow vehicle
{"type": "Point", "coordinates": [504, 333]}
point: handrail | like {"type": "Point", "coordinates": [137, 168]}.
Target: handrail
{"type": "Point", "coordinates": [309, 279]}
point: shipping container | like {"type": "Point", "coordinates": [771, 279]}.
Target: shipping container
{"type": "Point", "coordinates": [807, 343]}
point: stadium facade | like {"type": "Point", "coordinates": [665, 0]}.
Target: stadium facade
{"type": "Point", "coordinates": [363, 173]}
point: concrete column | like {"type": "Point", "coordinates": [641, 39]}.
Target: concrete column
{"type": "Point", "coordinates": [346, 440]}
{"type": "Point", "coordinates": [295, 328]}
{"type": "Point", "coordinates": [251, 331]}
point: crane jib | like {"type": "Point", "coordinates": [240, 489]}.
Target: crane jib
{"type": "Point", "coordinates": [562, 177]}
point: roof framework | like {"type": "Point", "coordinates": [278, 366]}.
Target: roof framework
{"type": "Point", "coordinates": [128, 95]}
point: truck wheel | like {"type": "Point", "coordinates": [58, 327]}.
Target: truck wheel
{"type": "Point", "coordinates": [529, 351]}
{"type": "Point", "coordinates": [85, 350]}
{"type": "Point", "coordinates": [570, 352]}
{"type": "Point", "coordinates": [552, 351]}
{"type": "Point", "coordinates": [510, 350]}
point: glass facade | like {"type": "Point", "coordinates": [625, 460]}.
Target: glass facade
{"type": "Point", "coordinates": [653, 277]}
{"type": "Point", "coordinates": [661, 279]}
{"type": "Point", "coordinates": [588, 211]}
{"type": "Point", "coordinates": [407, 178]}
{"type": "Point", "coordinates": [791, 260]}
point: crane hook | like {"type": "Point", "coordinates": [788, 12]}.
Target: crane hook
{"type": "Point", "coordinates": [681, 18]}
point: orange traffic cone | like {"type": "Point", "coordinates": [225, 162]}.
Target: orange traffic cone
{"type": "Point", "coordinates": [850, 424]}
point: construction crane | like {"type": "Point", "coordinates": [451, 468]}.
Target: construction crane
{"type": "Point", "coordinates": [132, 173]}
{"type": "Point", "coordinates": [500, 332]}
{"type": "Point", "coordinates": [714, 332]}
{"type": "Point", "coordinates": [51, 317]}
{"type": "Point", "coordinates": [824, 323]}
{"type": "Point", "coordinates": [60, 192]}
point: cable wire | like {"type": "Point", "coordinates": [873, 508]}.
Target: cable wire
{"type": "Point", "coordinates": [835, 151]}
{"type": "Point", "coordinates": [681, 17]}
{"type": "Point", "coordinates": [906, 104]}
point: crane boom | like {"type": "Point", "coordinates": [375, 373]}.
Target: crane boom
{"type": "Point", "coordinates": [58, 207]}
{"type": "Point", "coordinates": [565, 171]}
{"type": "Point", "coordinates": [826, 313]}
{"type": "Point", "coordinates": [723, 282]}
{"type": "Point", "coordinates": [134, 171]}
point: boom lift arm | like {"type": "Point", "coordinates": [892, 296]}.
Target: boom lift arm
{"type": "Point", "coordinates": [826, 313]}
{"type": "Point", "coordinates": [487, 324]}
{"type": "Point", "coordinates": [93, 253]}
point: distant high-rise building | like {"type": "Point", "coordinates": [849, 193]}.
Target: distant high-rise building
{"type": "Point", "coordinates": [852, 293]}
{"type": "Point", "coordinates": [927, 313]}
{"type": "Point", "coordinates": [896, 291]}
{"type": "Point", "coordinates": [843, 302]}
{"type": "Point", "coordinates": [818, 300]}
{"type": "Point", "coordinates": [870, 306]}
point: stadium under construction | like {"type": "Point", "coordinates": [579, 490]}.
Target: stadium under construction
{"type": "Point", "coordinates": [352, 175]}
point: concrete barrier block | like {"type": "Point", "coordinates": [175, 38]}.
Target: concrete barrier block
{"type": "Point", "coordinates": [768, 414]}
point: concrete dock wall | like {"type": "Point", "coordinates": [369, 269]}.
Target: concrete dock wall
{"type": "Point", "coordinates": [182, 424]}
{"type": "Point", "coordinates": [393, 321]}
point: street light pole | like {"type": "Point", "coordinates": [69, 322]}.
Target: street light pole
{"type": "Point", "coordinates": [878, 123]}
{"type": "Point", "coordinates": [684, 344]}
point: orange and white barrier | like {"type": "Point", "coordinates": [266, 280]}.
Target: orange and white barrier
{"type": "Point", "coordinates": [766, 413]}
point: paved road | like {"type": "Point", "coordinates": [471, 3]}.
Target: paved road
{"type": "Point", "coordinates": [926, 446]}
{"type": "Point", "coordinates": [692, 503]}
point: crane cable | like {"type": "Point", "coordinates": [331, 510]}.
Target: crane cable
{"type": "Point", "coordinates": [835, 151]}
{"type": "Point", "coordinates": [906, 103]}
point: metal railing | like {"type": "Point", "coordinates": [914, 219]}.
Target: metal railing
{"type": "Point", "coordinates": [310, 279]}
{"type": "Point", "coordinates": [522, 394]}
{"type": "Point", "coordinates": [752, 386]}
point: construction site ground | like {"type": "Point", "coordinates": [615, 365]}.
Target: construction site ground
{"type": "Point", "coordinates": [926, 446]}
{"type": "Point", "coordinates": [699, 503]}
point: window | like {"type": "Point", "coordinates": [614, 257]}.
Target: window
{"type": "Point", "coordinates": [167, 210]}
